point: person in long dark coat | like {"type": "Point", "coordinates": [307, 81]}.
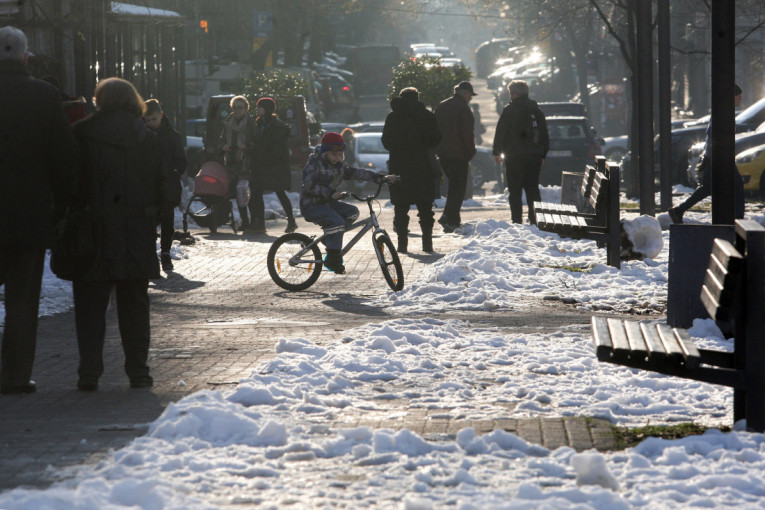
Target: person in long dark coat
{"type": "Point", "coordinates": [410, 131]}
{"type": "Point", "coordinates": [270, 165]}
{"type": "Point", "coordinates": [39, 169]}
{"type": "Point", "coordinates": [125, 180]}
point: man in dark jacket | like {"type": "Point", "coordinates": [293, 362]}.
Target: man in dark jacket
{"type": "Point", "coordinates": [39, 161]}
{"type": "Point", "coordinates": [410, 131]}
{"type": "Point", "coordinates": [522, 137]}
{"type": "Point", "coordinates": [175, 156]}
{"type": "Point", "coordinates": [457, 148]}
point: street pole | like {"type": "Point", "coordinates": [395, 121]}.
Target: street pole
{"type": "Point", "coordinates": [665, 105]}
{"type": "Point", "coordinates": [645, 103]}
{"type": "Point", "coordinates": [723, 112]}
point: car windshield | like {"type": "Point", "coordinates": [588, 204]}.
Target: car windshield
{"type": "Point", "coordinates": [567, 130]}
{"type": "Point", "coordinates": [370, 145]}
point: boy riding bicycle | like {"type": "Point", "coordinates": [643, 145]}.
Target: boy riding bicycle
{"type": "Point", "coordinates": [320, 200]}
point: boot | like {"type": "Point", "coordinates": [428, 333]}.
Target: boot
{"type": "Point", "coordinates": [427, 242]}
{"type": "Point", "coordinates": [259, 225]}
{"type": "Point", "coordinates": [403, 242]}
{"type": "Point", "coordinates": [334, 261]}
{"type": "Point", "coordinates": [166, 261]}
{"type": "Point", "coordinates": [245, 218]}
{"type": "Point", "coordinates": [291, 225]}
{"type": "Point", "coordinates": [427, 234]}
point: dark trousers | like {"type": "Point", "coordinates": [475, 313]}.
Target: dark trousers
{"type": "Point", "coordinates": [258, 207]}
{"type": "Point", "coordinates": [457, 172]}
{"type": "Point", "coordinates": [522, 172]}
{"type": "Point", "coordinates": [90, 302]}
{"type": "Point", "coordinates": [334, 217]}
{"type": "Point", "coordinates": [21, 271]}
{"type": "Point", "coordinates": [424, 213]}
{"type": "Point", "coordinates": [705, 190]}
{"type": "Point", "coordinates": [166, 227]}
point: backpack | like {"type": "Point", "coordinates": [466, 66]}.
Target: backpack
{"type": "Point", "coordinates": [532, 131]}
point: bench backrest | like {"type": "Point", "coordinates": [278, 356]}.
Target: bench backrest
{"type": "Point", "coordinates": [589, 175]}
{"type": "Point", "coordinates": [599, 192]}
{"type": "Point", "coordinates": [721, 280]}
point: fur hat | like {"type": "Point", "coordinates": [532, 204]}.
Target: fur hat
{"type": "Point", "coordinates": [331, 142]}
{"type": "Point", "coordinates": [268, 104]}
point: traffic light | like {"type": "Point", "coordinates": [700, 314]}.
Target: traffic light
{"type": "Point", "coordinates": [203, 25]}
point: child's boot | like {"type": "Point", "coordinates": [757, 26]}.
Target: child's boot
{"type": "Point", "coordinates": [334, 261]}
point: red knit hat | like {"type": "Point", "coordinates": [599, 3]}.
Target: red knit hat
{"type": "Point", "coordinates": [332, 142]}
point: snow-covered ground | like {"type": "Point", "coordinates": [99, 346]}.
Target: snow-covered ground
{"type": "Point", "coordinates": [268, 443]}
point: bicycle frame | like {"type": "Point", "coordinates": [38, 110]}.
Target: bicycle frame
{"type": "Point", "coordinates": [367, 224]}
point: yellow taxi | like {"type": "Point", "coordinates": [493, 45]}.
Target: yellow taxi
{"type": "Point", "coordinates": [751, 164]}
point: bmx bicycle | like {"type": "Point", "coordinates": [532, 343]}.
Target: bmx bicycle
{"type": "Point", "coordinates": [295, 261]}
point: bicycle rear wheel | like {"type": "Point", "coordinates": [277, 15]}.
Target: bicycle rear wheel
{"type": "Point", "coordinates": [294, 277]}
{"type": "Point", "coordinates": [389, 261]}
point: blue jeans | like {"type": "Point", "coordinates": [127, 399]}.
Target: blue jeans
{"type": "Point", "coordinates": [334, 218]}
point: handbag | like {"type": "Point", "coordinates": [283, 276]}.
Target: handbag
{"type": "Point", "coordinates": [242, 193]}
{"type": "Point", "coordinates": [74, 249]}
{"type": "Point", "coordinates": [435, 164]}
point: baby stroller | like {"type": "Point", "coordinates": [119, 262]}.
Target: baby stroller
{"type": "Point", "coordinates": [210, 205]}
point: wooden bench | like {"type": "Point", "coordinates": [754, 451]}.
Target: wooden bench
{"type": "Point", "coordinates": [585, 187]}
{"type": "Point", "coordinates": [602, 226]}
{"type": "Point", "coordinates": [733, 292]}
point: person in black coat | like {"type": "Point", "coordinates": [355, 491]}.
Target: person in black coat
{"type": "Point", "coordinates": [124, 183]}
{"type": "Point", "coordinates": [270, 165]}
{"type": "Point", "coordinates": [410, 131]}
{"type": "Point", "coordinates": [39, 169]}
{"type": "Point", "coordinates": [172, 143]}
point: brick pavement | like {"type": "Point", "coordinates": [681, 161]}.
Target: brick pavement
{"type": "Point", "coordinates": [213, 321]}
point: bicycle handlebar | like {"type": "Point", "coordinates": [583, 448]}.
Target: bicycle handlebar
{"type": "Point", "coordinates": [367, 198]}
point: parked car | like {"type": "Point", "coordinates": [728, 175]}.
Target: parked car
{"type": "Point", "coordinates": [563, 109]}
{"type": "Point", "coordinates": [369, 154]}
{"type": "Point", "coordinates": [751, 164]}
{"type": "Point", "coordinates": [744, 142]}
{"type": "Point", "coordinates": [615, 147]}
{"type": "Point", "coordinates": [375, 126]}
{"type": "Point", "coordinates": [682, 139]}
{"type": "Point", "coordinates": [572, 146]}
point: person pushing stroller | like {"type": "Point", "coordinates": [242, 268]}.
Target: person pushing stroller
{"type": "Point", "coordinates": [320, 200]}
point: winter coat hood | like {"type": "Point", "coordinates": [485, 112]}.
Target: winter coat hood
{"type": "Point", "coordinates": [406, 106]}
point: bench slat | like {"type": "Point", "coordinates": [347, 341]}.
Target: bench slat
{"type": "Point", "coordinates": [621, 345]}
{"type": "Point", "coordinates": [656, 352]}
{"type": "Point", "coordinates": [636, 340]}
{"type": "Point", "coordinates": [721, 279]}
{"type": "Point", "coordinates": [690, 352]}
{"type": "Point", "coordinates": [671, 344]}
{"type": "Point", "coordinates": [602, 337]}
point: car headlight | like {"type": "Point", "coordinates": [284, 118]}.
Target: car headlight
{"type": "Point", "coordinates": [749, 155]}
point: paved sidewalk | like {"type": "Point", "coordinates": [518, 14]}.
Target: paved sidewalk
{"type": "Point", "coordinates": [214, 320]}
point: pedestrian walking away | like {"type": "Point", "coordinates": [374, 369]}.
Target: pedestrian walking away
{"type": "Point", "coordinates": [175, 162]}
{"type": "Point", "coordinates": [320, 198]}
{"type": "Point", "coordinates": [270, 165]}
{"type": "Point", "coordinates": [124, 183]}
{"type": "Point", "coordinates": [39, 174]}
{"type": "Point", "coordinates": [705, 170]}
{"type": "Point", "coordinates": [237, 141]}
{"type": "Point", "coordinates": [457, 148]}
{"type": "Point", "coordinates": [522, 137]}
{"type": "Point", "coordinates": [410, 131]}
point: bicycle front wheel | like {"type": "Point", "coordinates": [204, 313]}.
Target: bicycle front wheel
{"type": "Point", "coordinates": [389, 261]}
{"type": "Point", "coordinates": [297, 276]}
